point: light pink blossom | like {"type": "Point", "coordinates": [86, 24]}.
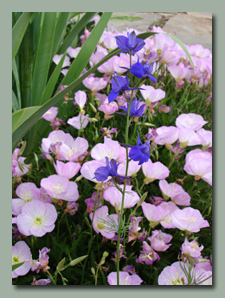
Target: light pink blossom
{"type": "Point", "coordinates": [59, 187]}
{"type": "Point", "coordinates": [124, 279]}
{"type": "Point", "coordinates": [114, 197]}
{"type": "Point", "coordinates": [189, 219]}
{"type": "Point", "coordinates": [21, 253]}
{"type": "Point", "coordinates": [190, 120]}
{"type": "Point", "coordinates": [69, 169]}
{"type": "Point", "coordinates": [101, 216]}
{"type": "Point", "coordinates": [79, 122]}
{"type": "Point", "coordinates": [51, 114]}
{"type": "Point", "coordinates": [110, 148]}
{"type": "Point", "coordinates": [176, 192]}
{"type": "Point", "coordinates": [153, 171]}
{"type": "Point", "coordinates": [173, 275]}
{"type": "Point", "coordinates": [191, 249]}
{"type": "Point", "coordinates": [166, 135]}
{"type": "Point", "coordinates": [159, 240]}
{"type": "Point", "coordinates": [150, 94]}
{"type": "Point", "coordinates": [36, 218]}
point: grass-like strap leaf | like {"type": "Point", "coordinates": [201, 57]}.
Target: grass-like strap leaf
{"type": "Point", "coordinates": [87, 49]}
{"type": "Point", "coordinates": [19, 117]}
{"type": "Point", "coordinates": [15, 266]}
{"type": "Point", "coordinates": [18, 31]}
{"type": "Point", "coordinates": [75, 31]}
{"type": "Point", "coordinates": [43, 57]}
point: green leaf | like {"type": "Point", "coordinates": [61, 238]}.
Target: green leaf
{"type": "Point", "coordinates": [52, 81]}
{"type": "Point", "coordinates": [19, 117]}
{"type": "Point", "coordinates": [60, 31]}
{"type": "Point", "coordinates": [87, 49]}
{"type": "Point", "coordinates": [16, 77]}
{"type": "Point", "coordinates": [15, 104]}
{"type": "Point", "coordinates": [75, 31]}
{"type": "Point", "coordinates": [124, 18]}
{"type": "Point", "coordinates": [43, 57]}
{"type": "Point", "coordinates": [15, 266]}
{"type": "Point", "coordinates": [18, 31]}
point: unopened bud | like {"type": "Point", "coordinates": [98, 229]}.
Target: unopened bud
{"type": "Point", "coordinates": [77, 261]}
{"type": "Point", "coordinates": [78, 178]}
{"type": "Point", "coordinates": [93, 108]}
{"type": "Point", "coordinates": [61, 265]}
{"type": "Point", "coordinates": [142, 199]}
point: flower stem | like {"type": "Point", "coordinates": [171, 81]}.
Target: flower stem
{"type": "Point", "coordinates": [91, 240]}
{"type": "Point", "coordinates": [123, 195]}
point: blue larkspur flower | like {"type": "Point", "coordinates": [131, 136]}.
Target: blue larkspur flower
{"type": "Point", "coordinates": [119, 84]}
{"type": "Point", "coordinates": [140, 152]}
{"type": "Point", "coordinates": [102, 173]}
{"type": "Point", "coordinates": [130, 44]}
{"type": "Point", "coordinates": [140, 70]}
{"type": "Point", "coordinates": [136, 110]}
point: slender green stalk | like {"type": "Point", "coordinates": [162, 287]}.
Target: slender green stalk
{"type": "Point", "coordinates": [91, 240]}
{"type": "Point", "coordinates": [123, 194]}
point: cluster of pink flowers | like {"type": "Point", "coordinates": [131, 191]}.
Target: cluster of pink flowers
{"type": "Point", "coordinates": [34, 208]}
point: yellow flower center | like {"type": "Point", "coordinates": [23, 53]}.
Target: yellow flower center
{"type": "Point", "coordinates": [15, 260]}
{"type": "Point", "coordinates": [58, 189]}
{"type": "Point", "coordinates": [38, 221]}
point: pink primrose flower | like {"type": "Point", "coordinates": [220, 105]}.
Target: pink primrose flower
{"type": "Point", "coordinates": [40, 282]}
{"type": "Point", "coordinates": [155, 213]}
{"type": "Point", "coordinates": [176, 192]}
{"type": "Point", "coordinates": [198, 51]}
{"type": "Point", "coordinates": [189, 219]}
{"type": "Point", "coordinates": [26, 192]}
{"type": "Point", "coordinates": [57, 58]}
{"type": "Point", "coordinates": [191, 249]}
{"type": "Point", "coordinates": [90, 203]}
{"type": "Point", "coordinates": [80, 98]}
{"type": "Point", "coordinates": [201, 275]}
{"type": "Point", "coordinates": [173, 275]}
{"type": "Point", "coordinates": [166, 135]}
{"type": "Point", "coordinates": [159, 240]}
{"type": "Point", "coordinates": [169, 56]}
{"type": "Point", "coordinates": [188, 137]}
{"type": "Point", "coordinates": [190, 120]}
{"type": "Point", "coordinates": [94, 83]}
{"type": "Point", "coordinates": [21, 253]}
{"type": "Point", "coordinates": [124, 279]}
{"type": "Point", "coordinates": [37, 218]}
{"type": "Point", "coordinates": [109, 108]}
{"type": "Point", "coordinates": [199, 164]}
{"type": "Point", "coordinates": [59, 187]}
{"type": "Point", "coordinates": [167, 221]}
{"type": "Point", "coordinates": [110, 148]}
{"type": "Point", "coordinates": [19, 167]}
{"type": "Point", "coordinates": [153, 171]}
{"type": "Point", "coordinates": [114, 197]}
{"type": "Point", "coordinates": [205, 137]}
{"type": "Point", "coordinates": [148, 255]}
{"type": "Point", "coordinates": [102, 222]}
{"type": "Point", "coordinates": [150, 94]}
{"type": "Point", "coordinates": [73, 52]}
{"type": "Point", "coordinates": [179, 72]}
{"type": "Point", "coordinates": [51, 114]}
{"type": "Point", "coordinates": [68, 170]}
{"type": "Point", "coordinates": [79, 122]}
